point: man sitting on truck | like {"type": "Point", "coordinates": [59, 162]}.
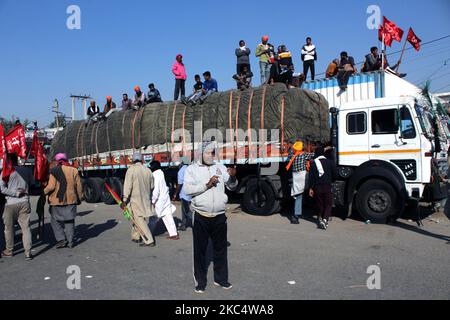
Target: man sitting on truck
{"type": "Point", "coordinates": [93, 112]}
{"type": "Point", "coordinates": [332, 69]}
{"type": "Point", "coordinates": [126, 102]}
{"type": "Point", "coordinates": [198, 92]}
{"type": "Point", "coordinates": [110, 107]}
{"type": "Point", "coordinates": [346, 68]}
{"type": "Point", "coordinates": [244, 78]}
{"type": "Point", "coordinates": [153, 94]}
{"type": "Point", "coordinates": [373, 61]}
{"type": "Point", "coordinates": [139, 98]}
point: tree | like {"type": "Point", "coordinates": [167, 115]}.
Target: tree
{"type": "Point", "coordinates": [60, 119]}
{"type": "Point", "coordinates": [8, 124]}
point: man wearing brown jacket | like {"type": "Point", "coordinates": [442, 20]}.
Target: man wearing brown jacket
{"type": "Point", "coordinates": [64, 194]}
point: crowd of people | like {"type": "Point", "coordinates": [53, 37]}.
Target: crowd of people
{"type": "Point", "coordinates": [276, 66]}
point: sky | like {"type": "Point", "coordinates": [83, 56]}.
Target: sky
{"type": "Point", "coordinates": [126, 43]}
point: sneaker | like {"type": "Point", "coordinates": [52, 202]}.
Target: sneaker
{"type": "Point", "coordinates": [7, 253]}
{"type": "Point", "coordinates": [322, 225]}
{"type": "Point", "coordinates": [199, 290]}
{"type": "Point", "coordinates": [70, 245]}
{"type": "Point", "coordinates": [177, 237]}
{"type": "Point", "coordinates": [28, 257]}
{"type": "Point", "coordinates": [325, 222]}
{"type": "Point", "coordinates": [294, 220]}
{"type": "Point", "coordinates": [226, 286]}
{"type": "Point", "coordinates": [61, 244]}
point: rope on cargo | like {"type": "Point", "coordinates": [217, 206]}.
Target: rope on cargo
{"type": "Point", "coordinates": [123, 129]}
{"type": "Point", "coordinates": [78, 140]}
{"type": "Point", "coordinates": [172, 134]}
{"type": "Point", "coordinates": [230, 116]}
{"type": "Point", "coordinates": [183, 150]}
{"type": "Point", "coordinates": [165, 128]}
{"type": "Point", "coordinates": [249, 122]}
{"type": "Point", "coordinates": [132, 130]}
{"type": "Point", "coordinates": [263, 102]}
{"type": "Point", "coordinates": [107, 138]}
{"type": "Point", "coordinates": [237, 126]}
{"type": "Point", "coordinates": [96, 140]}
{"type": "Point", "coordinates": [141, 115]}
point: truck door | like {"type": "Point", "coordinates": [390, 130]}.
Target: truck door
{"type": "Point", "coordinates": [353, 137]}
{"type": "Point", "coordinates": [394, 138]}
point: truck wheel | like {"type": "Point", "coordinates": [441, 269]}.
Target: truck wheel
{"type": "Point", "coordinates": [262, 203]}
{"type": "Point", "coordinates": [93, 190]}
{"type": "Point", "coordinates": [116, 185]}
{"type": "Point", "coordinates": [377, 200]}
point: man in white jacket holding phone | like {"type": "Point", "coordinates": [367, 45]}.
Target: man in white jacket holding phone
{"type": "Point", "coordinates": [205, 181]}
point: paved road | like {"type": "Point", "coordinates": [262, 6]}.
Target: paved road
{"type": "Point", "coordinates": [265, 254]}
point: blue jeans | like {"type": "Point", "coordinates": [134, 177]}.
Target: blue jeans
{"type": "Point", "coordinates": [298, 205]}
{"type": "Point", "coordinates": [265, 71]}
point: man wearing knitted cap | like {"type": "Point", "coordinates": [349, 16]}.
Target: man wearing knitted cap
{"type": "Point", "coordinates": [64, 192]}
{"type": "Point", "coordinates": [139, 98]}
{"type": "Point", "coordinates": [263, 51]}
{"type": "Point", "coordinates": [205, 182]}
{"type": "Point", "coordinates": [136, 192]}
{"type": "Point", "coordinates": [179, 72]}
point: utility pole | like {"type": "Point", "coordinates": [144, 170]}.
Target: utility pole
{"type": "Point", "coordinates": [84, 99]}
{"type": "Point", "coordinates": [56, 111]}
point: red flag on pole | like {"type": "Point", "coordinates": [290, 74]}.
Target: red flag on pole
{"type": "Point", "coordinates": [2, 142]}
{"type": "Point", "coordinates": [390, 31]}
{"type": "Point", "coordinates": [413, 39]}
{"type": "Point", "coordinates": [40, 160]}
{"type": "Point", "coordinates": [16, 142]}
{"type": "Point", "coordinates": [8, 168]}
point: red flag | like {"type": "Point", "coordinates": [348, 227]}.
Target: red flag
{"type": "Point", "coordinates": [8, 168]}
{"type": "Point", "coordinates": [387, 37]}
{"type": "Point", "coordinates": [40, 160]}
{"type": "Point", "coordinates": [413, 39]}
{"type": "Point", "coordinates": [390, 31]}
{"type": "Point", "coordinates": [2, 142]}
{"type": "Point", "coordinates": [16, 142]}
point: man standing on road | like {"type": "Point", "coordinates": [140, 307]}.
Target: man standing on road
{"type": "Point", "coordinates": [161, 200]}
{"type": "Point", "coordinates": [64, 192]}
{"type": "Point", "coordinates": [321, 176]}
{"type": "Point", "coordinates": [17, 207]}
{"type": "Point", "coordinates": [136, 192]}
{"type": "Point", "coordinates": [205, 183]}
{"type": "Point", "coordinates": [186, 214]}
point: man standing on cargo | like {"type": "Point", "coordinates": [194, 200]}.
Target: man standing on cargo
{"type": "Point", "coordinates": [309, 56]}
{"type": "Point", "coordinates": [179, 71]}
{"type": "Point", "coordinates": [263, 51]}
{"type": "Point", "coordinates": [136, 192]}
{"type": "Point", "coordinates": [205, 182]}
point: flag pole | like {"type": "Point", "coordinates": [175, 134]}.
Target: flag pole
{"type": "Point", "coordinates": [401, 56]}
{"type": "Point", "coordinates": [383, 51]}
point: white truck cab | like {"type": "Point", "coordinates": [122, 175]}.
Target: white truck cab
{"type": "Point", "coordinates": [389, 148]}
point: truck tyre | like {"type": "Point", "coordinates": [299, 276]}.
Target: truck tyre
{"type": "Point", "coordinates": [377, 200]}
{"type": "Point", "coordinates": [93, 190]}
{"type": "Point", "coordinates": [265, 204]}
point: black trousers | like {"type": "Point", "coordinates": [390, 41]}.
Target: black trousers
{"type": "Point", "coordinates": [343, 77]}
{"type": "Point", "coordinates": [324, 198]}
{"type": "Point", "coordinates": [241, 66]}
{"type": "Point", "coordinates": [204, 229]}
{"type": "Point", "coordinates": [311, 66]}
{"type": "Point", "coordinates": [179, 86]}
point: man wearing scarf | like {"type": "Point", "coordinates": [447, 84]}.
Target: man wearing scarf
{"type": "Point", "coordinates": [64, 194]}
{"type": "Point", "coordinates": [321, 175]}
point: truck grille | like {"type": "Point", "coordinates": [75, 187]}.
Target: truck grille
{"type": "Point", "coordinates": [408, 167]}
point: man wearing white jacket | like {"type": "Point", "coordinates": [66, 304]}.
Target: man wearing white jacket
{"type": "Point", "coordinates": [206, 183]}
{"type": "Point", "coordinates": [309, 56]}
{"type": "Point", "coordinates": [161, 200]}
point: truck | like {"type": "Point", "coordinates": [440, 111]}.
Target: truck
{"type": "Point", "coordinates": [390, 143]}
{"type": "Point", "coordinates": [390, 147]}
